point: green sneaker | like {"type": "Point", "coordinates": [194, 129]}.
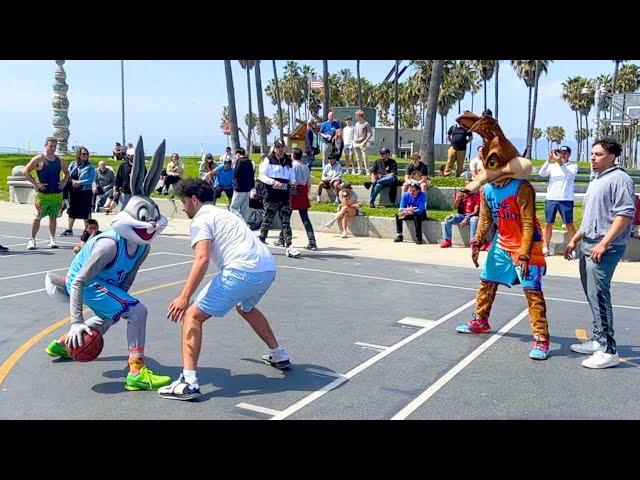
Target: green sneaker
{"type": "Point", "coordinates": [57, 349]}
{"type": "Point", "coordinates": [146, 380]}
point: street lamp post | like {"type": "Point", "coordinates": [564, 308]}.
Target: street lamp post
{"type": "Point", "coordinates": [124, 145]}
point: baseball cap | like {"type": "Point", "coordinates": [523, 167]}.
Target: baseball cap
{"type": "Point", "coordinates": [208, 156]}
{"type": "Point", "coordinates": [565, 148]}
{"type": "Point", "coordinates": [384, 150]}
{"type": "Point", "coordinates": [228, 149]}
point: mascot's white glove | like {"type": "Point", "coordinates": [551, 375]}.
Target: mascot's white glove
{"type": "Point", "coordinates": [74, 337]}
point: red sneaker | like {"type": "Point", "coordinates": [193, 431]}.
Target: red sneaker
{"type": "Point", "coordinates": [477, 325]}
{"type": "Point", "coordinates": [446, 243]}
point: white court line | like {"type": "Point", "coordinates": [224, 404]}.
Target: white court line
{"type": "Point", "coordinates": [442, 381]}
{"type": "Point", "coordinates": [55, 270]}
{"type": "Point", "coordinates": [416, 322]}
{"type": "Point", "coordinates": [256, 408]}
{"type": "Point", "coordinates": [41, 239]}
{"type": "Point", "coordinates": [370, 345]}
{"type": "Point", "coordinates": [325, 372]}
{"type": "Point", "coordinates": [363, 366]}
{"type": "Point", "coordinates": [139, 271]}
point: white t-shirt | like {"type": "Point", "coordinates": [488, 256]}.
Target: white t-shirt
{"type": "Point", "coordinates": [561, 180]}
{"type": "Point", "coordinates": [234, 245]}
{"type": "Point", "coordinates": [348, 134]}
{"type": "Point", "coordinates": [475, 164]}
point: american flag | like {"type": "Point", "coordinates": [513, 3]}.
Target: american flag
{"type": "Point", "coordinates": [316, 82]}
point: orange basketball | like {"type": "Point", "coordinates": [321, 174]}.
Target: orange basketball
{"type": "Point", "coordinates": [91, 347]}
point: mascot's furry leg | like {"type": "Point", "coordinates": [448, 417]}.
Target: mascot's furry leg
{"type": "Point", "coordinates": [537, 314]}
{"type": "Point", "coordinates": [484, 300]}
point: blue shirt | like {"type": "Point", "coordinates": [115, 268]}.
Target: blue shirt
{"type": "Point", "coordinates": [328, 128]}
{"type": "Point", "coordinates": [115, 272]}
{"type": "Point", "coordinates": [419, 201]}
{"type": "Point", "coordinates": [224, 178]}
{"type": "Point", "coordinates": [86, 174]}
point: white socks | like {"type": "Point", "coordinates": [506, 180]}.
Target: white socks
{"type": "Point", "coordinates": [191, 378]}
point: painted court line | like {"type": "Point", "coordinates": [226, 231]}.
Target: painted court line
{"type": "Point", "coordinates": [363, 366]}
{"type": "Point", "coordinates": [42, 289]}
{"type": "Point", "coordinates": [325, 372]}
{"type": "Point", "coordinates": [416, 322]}
{"type": "Point", "coordinates": [370, 345]}
{"type": "Point", "coordinates": [442, 381]}
{"type": "Point", "coordinates": [581, 335]}
{"type": "Point", "coordinates": [411, 282]}
{"type": "Point", "coordinates": [256, 408]}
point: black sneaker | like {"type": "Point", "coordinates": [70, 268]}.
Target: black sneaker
{"type": "Point", "coordinates": [367, 185]}
{"type": "Point", "coordinates": [263, 240]}
{"type": "Point", "coordinates": [67, 233]}
{"type": "Point", "coordinates": [372, 205]}
{"type": "Point", "coordinates": [419, 242]}
{"type": "Point", "coordinates": [5, 249]}
{"type": "Point", "coordinates": [312, 246]}
{"type": "Point", "coordinates": [399, 238]}
{"type": "Point", "coordinates": [179, 390]}
{"type": "Point", "coordinates": [280, 364]}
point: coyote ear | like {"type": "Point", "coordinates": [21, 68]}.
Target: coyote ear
{"type": "Point", "coordinates": [155, 169]}
{"type": "Point", "coordinates": [137, 170]}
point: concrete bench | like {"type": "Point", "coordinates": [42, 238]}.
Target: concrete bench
{"type": "Point", "coordinates": [20, 189]}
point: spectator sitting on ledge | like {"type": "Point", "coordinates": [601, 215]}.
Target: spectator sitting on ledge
{"type": "Point", "coordinates": [413, 206]}
{"type": "Point", "coordinates": [384, 173]}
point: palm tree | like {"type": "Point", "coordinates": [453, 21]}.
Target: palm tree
{"type": "Point", "coordinates": [571, 91]}
{"type": "Point", "coordinates": [446, 99]}
{"type": "Point", "coordinates": [429, 131]}
{"type": "Point", "coordinates": [280, 121]}
{"type": "Point", "coordinates": [233, 118]}
{"type": "Point", "coordinates": [533, 112]}
{"type": "Point", "coordinates": [248, 65]}
{"type": "Point", "coordinates": [495, 114]}
{"type": "Point", "coordinates": [537, 133]}
{"type": "Point", "coordinates": [486, 69]}
{"type": "Point", "coordinates": [614, 84]}
{"type": "Point", "coordinates": [359, 84]}
{"type": "Point", "coordinates": [325, 78]}
{"type": "Point", "coordinates": [261, 118]}
{"type": "Point", "coordinates": [265, 131]}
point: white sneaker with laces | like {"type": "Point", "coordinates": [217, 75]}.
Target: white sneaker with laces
{"type": "Point", "coordinates": [277, 358]}
{"type": "Point", "coordinates": [52, 243]}
{"type": "Point", "coordinates": [292, 252]}
{"type": "Point", "coordinates": [586, 348]}
{"type": "Point", "coordinates": [179, 390]}
{"type": "Point", "coordinates": [545, 251]}
{"type": "Point", "coordinates": [32, 244]}
{"type": "Point", "coordinates": [601, 359]}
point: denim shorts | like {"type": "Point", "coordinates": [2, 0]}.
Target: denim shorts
{"type": "Point", "coordinates": [230, 288]}
{"type": "Point", "coordinates": [565, 207]}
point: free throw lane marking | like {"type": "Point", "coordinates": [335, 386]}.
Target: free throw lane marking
{"type": "Point", "coordinates": [371, 345]}
{"type": "Point", "coordinates": [256, 408]}
{"type": "Point", "coordinates": [581, 334]}
{"type": "Point", "coordinates": [416, 322]}
{"type": "Point", "coordinates": [442, 381]}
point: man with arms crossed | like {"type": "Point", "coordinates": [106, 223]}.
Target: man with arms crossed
{"type": "Point", "coordinates": [247, 270]}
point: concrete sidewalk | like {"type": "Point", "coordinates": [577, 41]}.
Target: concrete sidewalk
{"type": "Point", "coordinates": [332, 243]}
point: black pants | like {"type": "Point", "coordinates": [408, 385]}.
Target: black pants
{"type": "Point", "coordinates": [417, 221]}
{"type": "Point", "coordinates": [217, 193]}
{"type": "Point", "coordinates": [270, 210]}
{"type": "Point", "coordinates": [304, 215]}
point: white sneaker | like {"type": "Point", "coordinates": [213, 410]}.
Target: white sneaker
{"type": "Point", "coordinates": [545, 252]}
{"type": "Point", "coordinates": [278, 358]}
{"type": "Point", "coordinates": [32, 244]}
{"type": "Point", "coordinates": [586, 348]}
{"type": "Point", "coordinates": [345, 234]}
{"type": "Point", "coordinates": [292, 252]}
{"type": "Point", "coordinates": [52, 243]}
{"type": "Point", "coordinates": [601, 359]}
{"type": "Point", "coordinates": [329, 224]}
{"type": "Point", "coordinates": [318, 198]}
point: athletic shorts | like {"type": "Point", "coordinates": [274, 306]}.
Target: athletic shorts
{"type": "Point", "coordinates": [47, 205]}
{"type": "Point", "coordinates": [565, 207]}
{"type": "Point", "coordinates": [230, 288]}
{"type": "Point", "coordinates": [106, 300]}
{"type": "Point", "coordinates": [499, 268]}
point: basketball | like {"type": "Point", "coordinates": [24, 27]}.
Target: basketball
{"type": "Point", "coordinates": [91, 347]}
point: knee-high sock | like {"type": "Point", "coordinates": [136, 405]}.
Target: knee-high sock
{"type": "Point", "coordinates": [484, 298]}
{"type": "Point", "coordinates": [537, 314]}
{"type": "Point", "coordinates": [136, 318]}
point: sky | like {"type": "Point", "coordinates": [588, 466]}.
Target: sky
{"type": "Point", "coordinates": [182, 100]}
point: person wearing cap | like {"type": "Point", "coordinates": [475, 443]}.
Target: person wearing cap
{"type": "Point", "coordinates": [223, 181]}
{"type": "Point", "coordinates": [117, 152]}
{"type": "Point", "coordinates": [277, 174]}
{"type": "Point", "coordinates": [608, 212]}
{"type": "Point", "coordinates": [384, 173]}
{"type": "Point", "coordinates": [458, 136]}
{"type": "Point", "coordinates": [560, 193]}
{"type": "Point", "coordinates": [227, 155]}
{"type": "Point", "coordinates": [331, 177]}
{"type": "Point", "coordinates": [123, 189]}
{"type": "Point", "coordinates": [413, 206]}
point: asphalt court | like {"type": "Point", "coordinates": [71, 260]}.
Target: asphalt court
{"type": "Point", "coordinates": [369, 339]}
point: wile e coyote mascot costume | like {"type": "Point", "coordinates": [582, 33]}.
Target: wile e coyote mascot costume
{"type": "Point", "coordinates": [102, 273]}
{"type": "Point", "coordinates": [515, 256]}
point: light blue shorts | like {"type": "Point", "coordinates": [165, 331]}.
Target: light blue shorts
{"type": "Point", "coordinates": [232, 287]}
{"type": "Point", "coordinates": [107, 301]}
{"type": "Point", "coordinates": [499, 268]}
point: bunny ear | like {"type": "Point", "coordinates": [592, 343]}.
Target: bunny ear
{"type": "Point", "coordinates": [137, 170]}
{"type": "Point", "coordinates": [155, 169]}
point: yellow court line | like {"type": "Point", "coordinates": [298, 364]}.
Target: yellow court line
{"type": "Point", "coordinates": [11, 361]}
{"type": "Point", "coordinates": [582, 335]}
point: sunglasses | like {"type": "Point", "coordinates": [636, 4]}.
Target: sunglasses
{"type": "Point", "coordinates": [84, 154]}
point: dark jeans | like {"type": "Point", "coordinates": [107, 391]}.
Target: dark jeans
{"type": "Point", "coordinates": [284, 210]}
{"type": "Point", "coordinates": [217, 193]}
{"type": "Point", "coordinates": [417, 221]}
{"type": "Point", "coordinates": [596, 283]}
{"type": "Point", "coordinates": [304, 215]}
{"type": "Point", "coordinates": [388, 180]}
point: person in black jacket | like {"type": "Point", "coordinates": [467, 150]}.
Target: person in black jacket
{"type": "Point", "coordinates": [312, 145]}
{"type": "Point", "coordinates": [123, 190]}
{"type": "Point", "coordinates": [243, 182]}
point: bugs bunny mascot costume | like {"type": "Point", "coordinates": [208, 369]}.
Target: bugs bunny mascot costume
{"type": "Point", "coordinates": [102, 273]}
